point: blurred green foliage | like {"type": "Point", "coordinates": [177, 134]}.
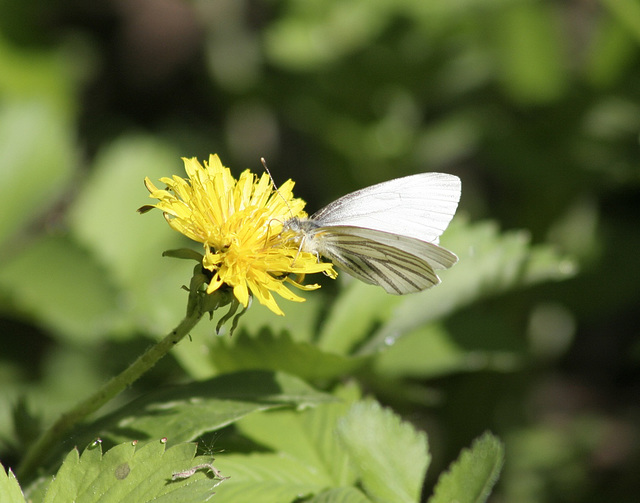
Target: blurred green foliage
{"type": "Point", "coordinates": [534, 104]}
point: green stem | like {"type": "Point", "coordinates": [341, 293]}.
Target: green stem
{"type": "Point", "coordinates": [40, 449]}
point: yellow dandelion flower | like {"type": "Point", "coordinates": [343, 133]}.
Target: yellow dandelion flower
{"type": "Point", "coordinates": [239, 222]}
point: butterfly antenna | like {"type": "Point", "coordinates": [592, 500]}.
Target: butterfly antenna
{"type": "Point", "coordinates": [264, 164]}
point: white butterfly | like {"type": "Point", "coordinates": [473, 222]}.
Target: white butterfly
{"type": "Point", "coordinates": [386, 234]}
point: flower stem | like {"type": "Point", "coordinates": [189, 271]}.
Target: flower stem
{"type": "Point", "coordinates": [41, 448]}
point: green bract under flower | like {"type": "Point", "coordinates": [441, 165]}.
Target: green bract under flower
{"type": "Point", "coordinates": [239, 222]}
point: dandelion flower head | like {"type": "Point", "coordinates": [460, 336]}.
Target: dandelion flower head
{"type": "Point", "coordinates": [239, 222]}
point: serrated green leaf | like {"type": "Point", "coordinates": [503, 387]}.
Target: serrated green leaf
{"type": "Point", "coordinates": [183, 413]}
{"type": "Point", "coordinates": [430, 351]}
{"type": "Point", "coordinates": [267, 478]}
{"type": "Point", "coordinates": [425, 352]}
{"type": "Point", "coordinates": [280, 352]}
{"type": "Point", "coordinates": [307, 457]}
{"type": "Point", "coordinates": [352, 316]}
{"type": "Point", "coordinates": [393, 474]}
{"type": "Point", "coordinates": [274, 478]}
{"type": "Point", "coordinates": [130, 473]}
{"type": "Point", "coordinates": [490, 263]}
{"type": "Point", "coordinates": [471, 477]}
{"type": "Point", "coordinates": [306, 435]}
{"type": "Point", "coordinates": [10, 491]}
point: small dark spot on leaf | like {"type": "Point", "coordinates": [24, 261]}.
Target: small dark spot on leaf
{"type": "Point", "coordinates": [122, 471]}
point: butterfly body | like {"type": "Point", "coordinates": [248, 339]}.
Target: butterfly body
{"type": "Point", "coordinates": [386, 234]}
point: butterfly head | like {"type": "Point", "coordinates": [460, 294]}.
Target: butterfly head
{"type": "Point", "coordinates": [302, 231]}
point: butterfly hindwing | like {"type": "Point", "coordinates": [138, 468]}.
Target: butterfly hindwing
{"type": "Point", "coordinates": [396, 270]}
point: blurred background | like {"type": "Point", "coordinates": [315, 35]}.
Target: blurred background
{"type": "Point", "coordinates": [535, 105]}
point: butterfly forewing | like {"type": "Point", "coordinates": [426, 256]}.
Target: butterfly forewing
{"type": "Point", "coordinates": [419, 206]}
